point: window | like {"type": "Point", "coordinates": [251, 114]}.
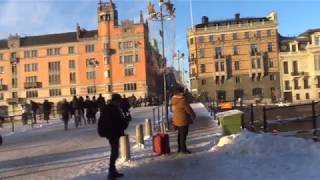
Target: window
{"type": "Point", "coordinates": [271, 63]}
{"type": "Point", "coordinates": [191, 40]}
{"type": "Point", "coordinates": [217, 66]}
{"type": "Point", "coordinates": [54, 66]}
{"type": "Point", "coordinates": [203, 82]}
{"type": "Point", "coordinates": [53, 51]}
{"type": "Point", "coordinates": [222, 37]}
{"type": "Point", "coordinates": [285, 67]}
{"type": "Point", "coordinates": [200, 39]}
{"type": "Point", "coordinates": [31, 67]}
{"type": "Point", "coordinates": [269, 33]}
{"type": "Point", "coordinates": [211, 38]}
{"type": "Point", "coordinates": [202, 68]}
{"type": "Point", "coordinates": [258, 34]}
{"type": "Point", "coordinates": [295, 67]}
{"type": "Point", "coordinates": [317, 40]}
{"type": "Point", "coordinates": [256, 92]}
{"type": "Point", "coordinates": [27, 54]}
{"type": "Point", "coordinates": [317, 62]}
{"type": "Point", "coordinates": [234, 36]}
{"type": "Point", "coordinates": [222, 80]}
{"type": "Point", "coordinates": [130, 87]}
{"type": "Point", "coordinates": [72, 77]}
{"type": "Point", "coordinates": [218, 51]}
{"type": "Point", "coordinates": [73, 91]}
{"type": "Point", "coordinates": [91, 89]}
{"type": "Point", "coordinates": [259, 77]}
{"type": "Point", "coordinates": [306, 83]}
{"type": "Point", "coordinates": [32, 94]}
{"type": "Point", "coordinates": [71, 50]}
{"type": "Point", "coordinates": [54, 79]}
{"type": "Point", "coordinates": [109, 88]}
{"type": "Point", "coordinates": [34, 53]}
{"type": "Point", "coordinates": [254, 49]}
{"type": "Point", "coordinates": [297, 96]}
{"type": "Point", "coordinates": [127, 59]}
{"type": "Point", "coordinates": [129, 71]}
{"type": "Point", "coordinates": [14, 82]}
{"type": "Point", "coordinates": [1, 56]}
{"type": "Point", "coordinates": [106, 60]}
{"type": "Point", "coordinates": [14, 94]}
{"type": "Point", "coordinates": [237, 65]}
{"type": "Point", "coordinates": [217, 79]}
{"type": "Point", "coordinates": [273, 77]}
{"type": "Point", "coordinates": [293, 48]}
{"type": "Point", "coordinates": [237, 79]}
{"type": "Point", "coordinates": [72, 64]}
{"type": "Point", "coordinates": [126, 45]}
{"type": "Point", "coordinates": [287, 85]}
{"type": "Point", "coordinates": [253, 63]}
{"type": "Point", "coordinates": [1, 70]}
{"type": "Point", "coordinates": [307, 96]}
{"type": "Point", "coordinates": [269, 47]}
{"type": "Point", "coordinates": [31, 79]}
{"type": "Point", "coordinates": [222, 66]}
{"type": "Point", "coordinates": [253, 77]}
{"type": "Point", "coordinates": [1, 96]}
{"type": "Point", "coordinates": [236, 50]}
{"type": "Point", "coordinates": [258, 63]}
{"type": "Point", "coordinates": [89, 48]}
{"type": "Point", "coordinates": [296, 83]}
{"type": "Point", "coordinates": [91, 75]}
{"type": "Point", "coordinates": [247, 35]}
{"type": "Point", "coordinates": [54, 92]}
{"type": "Point", "coordinates": [201, 53]}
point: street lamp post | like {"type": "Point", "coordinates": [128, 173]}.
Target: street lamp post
{"type": "Point", "coordinates": [94, 63]}
{"type": "Point", "coordinates": [159, 16]}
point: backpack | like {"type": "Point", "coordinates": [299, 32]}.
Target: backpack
{"type": "Point", "coordinates": [103, 126]}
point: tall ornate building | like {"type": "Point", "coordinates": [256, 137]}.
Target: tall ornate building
{"type": "Point", "coordinates": [235, 58]}
{"type": "Point", "coordinates": [300, 66]}
{"type": "Point", "coordinates": [114, 58]}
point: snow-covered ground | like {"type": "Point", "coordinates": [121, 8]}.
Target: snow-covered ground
{"type": "Point", "coordinates": [51, 153]}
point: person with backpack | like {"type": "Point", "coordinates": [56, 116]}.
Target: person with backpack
{"type": "Point", "coordinates": [111, 125]}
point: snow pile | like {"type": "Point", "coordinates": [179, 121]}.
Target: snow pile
{"type": "Point", "coordinates": [267, 156]}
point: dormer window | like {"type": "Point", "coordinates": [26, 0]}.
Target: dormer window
{"type": "Point", "coordinates": [317, 40]}
{"type": "Point", "coordinates": [294, 48]}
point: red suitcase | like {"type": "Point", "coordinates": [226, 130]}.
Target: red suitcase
{"type": "Point", "coordinates": [161, 143]}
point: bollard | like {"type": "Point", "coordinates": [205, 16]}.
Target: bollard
{"type": "Point", "coordinates": [139, 136]}
{"type": "Point", "coordinates": [124, 148]}
{"type": "Point", "coordinates": [147, 128]}
{"type": "Point", "coordinates": [162, 127]}
{"type": "Point", "coordinates": [154, 119]}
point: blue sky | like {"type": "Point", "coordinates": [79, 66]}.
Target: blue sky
{"type": "Point", "coordinates": [33, 17]}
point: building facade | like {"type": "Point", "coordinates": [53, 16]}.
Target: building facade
{"type": "Point", "coordinates": [235, 58]}
{"type": "Point", "coordinates": [114, 58]}
{"type": "Point", "coordinates": [300, 66]}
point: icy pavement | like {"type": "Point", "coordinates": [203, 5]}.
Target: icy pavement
{"type": "Point", "coordinates": [52, 153]}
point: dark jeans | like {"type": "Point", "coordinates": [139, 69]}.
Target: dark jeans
{"type": "Point", "coordinates": [114, 143]}
{"type": "Point", "coordinates": [182, 138]}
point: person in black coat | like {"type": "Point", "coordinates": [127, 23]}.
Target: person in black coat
{"type": "Point", "coordinates": [114, 124]}
{"type": "Point", "coordinates": [65, 111]}
{"type": "Point", "coordinates": [34, 107]}
{"type": "Point", "coordinates": [46, 110]}
{"type": "Point", "coordinates": [125, 105]}
{"type": "Point", "coordinates": [101, 102]}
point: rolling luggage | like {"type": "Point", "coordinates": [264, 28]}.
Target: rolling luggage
{"type": "Point", "coordinates": [161, 143]}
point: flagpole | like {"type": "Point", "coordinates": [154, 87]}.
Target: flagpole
{"type": "Point", "coordinates": [191, 14]}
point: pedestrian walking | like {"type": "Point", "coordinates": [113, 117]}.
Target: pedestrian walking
{"type": "Point", "coordinates": [65, 112]}
{"type": "Point", "coordinates": [183, 116]}
{"type": "Point", "coordinates": [95, 108]}
{"type": "Point", "coordinates": [112, 125]}
{"type": "Point", "coordinates": [101, 102]}
{"type": "Point", "coordinates": [75, 104]}
{"type": "Point", "coordinates": [46, 110]}
{"type": "Point", "coordinates": [34, 108]}
{"type": "Point", "coordinates": [125, 105]}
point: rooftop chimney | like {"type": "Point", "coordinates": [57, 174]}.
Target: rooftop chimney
{"type": "Point", "coordinates": [205, 20]}
{"type": "Point", "coordinates": [237, 16]}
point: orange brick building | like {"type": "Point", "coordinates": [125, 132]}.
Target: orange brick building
{"type": "Point", "coordinates": [114, 58]}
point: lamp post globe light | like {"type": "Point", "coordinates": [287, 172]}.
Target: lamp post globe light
{"type": "Point", "coordinates": [160, 16]}
{"type": "Point", "coordinates": [94, 64]}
